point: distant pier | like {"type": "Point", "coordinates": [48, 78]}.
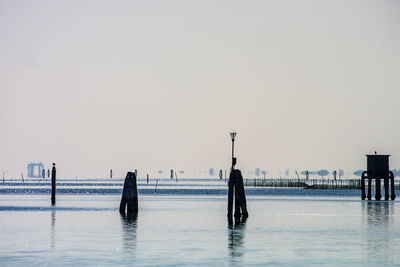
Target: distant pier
{"type": "Point", "coordinates": [306, 183]}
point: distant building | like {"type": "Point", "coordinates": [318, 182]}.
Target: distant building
{"type": "Point", "coordinates": [211, 171]}
{"type": "Point", "coordinates": [257, 171]}
{"type": "Point", "coordinates": [35, 170]}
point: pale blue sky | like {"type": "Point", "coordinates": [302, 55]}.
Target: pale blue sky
{"type": "Point", "coordinates": [94, 85]}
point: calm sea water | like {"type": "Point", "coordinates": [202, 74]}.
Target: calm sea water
{"type": "Point", "coordinates": [300, 230]}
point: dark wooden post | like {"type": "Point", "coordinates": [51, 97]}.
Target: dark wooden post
{"type": "Point", "coordinates": [386, 185]}
{"type": "Point", "coordinates": [230, 194]}
{"type": "Point", "coordinates": [392, 192]}
{"type": "Point", "coordinates": [129, 199]}
{"type": "Point", "coordinates": [241, 194]}
{"type": "Point", "coordinates": [237, 202]}
{"type": "Point", "coordinates": [369, 196]}
{"type": "Point", "coordinates": [378, 194]}
{"type": "Point", "coordinates": [53, 185]}
{"type": "Point", "coordinates": [363, 185]}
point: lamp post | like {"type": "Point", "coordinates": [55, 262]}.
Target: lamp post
{"type": "Point", "coordinates": [233, 136]}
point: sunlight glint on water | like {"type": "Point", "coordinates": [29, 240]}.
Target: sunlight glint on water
{"type": "Point", "coordinates": [188, 230]}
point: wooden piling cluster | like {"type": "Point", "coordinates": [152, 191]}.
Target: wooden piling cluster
{"type": "Point", "coordinates": [236, 191]}
{"type": "Point", "coordinates": [129, 199]}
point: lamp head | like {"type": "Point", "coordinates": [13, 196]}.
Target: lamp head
{"type": "Point", "coordinates": [233, 135]}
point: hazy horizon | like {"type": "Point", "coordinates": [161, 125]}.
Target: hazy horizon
{"type": "Point", "coordinates": [150, 85]}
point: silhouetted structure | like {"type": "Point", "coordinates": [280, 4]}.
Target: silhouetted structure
{"type": "Point", "coordinates": [236, 189]}
{"type": "Point", "coordinates": [129, 199]}
{"type": "Point", "coordinates": [53, 185]}
{"type": "Point", "coordinates": [377, 168]}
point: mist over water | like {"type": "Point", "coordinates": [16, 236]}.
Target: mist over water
{"type": "Point", "coordinates": [105, 87]}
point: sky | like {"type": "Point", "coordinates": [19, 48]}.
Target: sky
{"type": "Point", "coordinates": [158, 85]}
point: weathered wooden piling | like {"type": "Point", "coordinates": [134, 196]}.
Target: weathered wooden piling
{"type": "Point", "coordinates": [239, 188]}
{"type": "Point", "coordinates": [236, 190]}
{"type": "Point", "coordinates": [53, 185]}
{"type": "Point", "coordinates": [129, 199]}
{"type": "Point", "coordinates": [231, 189]}
{"type": "Point", "coordinates": [392, 190]}
{"type": "Point", "coordinates": [363, 175]}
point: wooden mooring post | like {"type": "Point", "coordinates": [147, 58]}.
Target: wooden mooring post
{"type": "Point", "coordinates": [129, 199]}
{"type": "Point", "coordinates": [53, 185]}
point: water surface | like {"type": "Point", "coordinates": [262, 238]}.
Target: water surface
{"type": "Point", "coordinates": [299, 230]}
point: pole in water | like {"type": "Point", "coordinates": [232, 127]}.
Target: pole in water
{"type": "Point", "coordinates": [236, 193]}
{"type": "Point", "coordinates": [53, 185]}
{"type": "Point", "coordinates": [22, 176]}
{"type": "Point", "coordinates": [155, 190]}
{"type": "Point", "coordinates": [110, 173]}
{"type": "Point", "coordinates": [147, 178]}
{"type": "Point", "coordinates": [172, 174]}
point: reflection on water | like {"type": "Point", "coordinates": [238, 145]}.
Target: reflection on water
{"type": "Point", "coordinates": [378, 212]}
{"type": "Point", "coordinates": [236, 234]}
{"type": "Point", "coordinates": [379, 216]}
{"type": "Point", "coordinates": [299, 231]}
{"type": "Point", "coordinates": [129, 226]}
{"type": "Point", "coordinates": [53, 226]}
